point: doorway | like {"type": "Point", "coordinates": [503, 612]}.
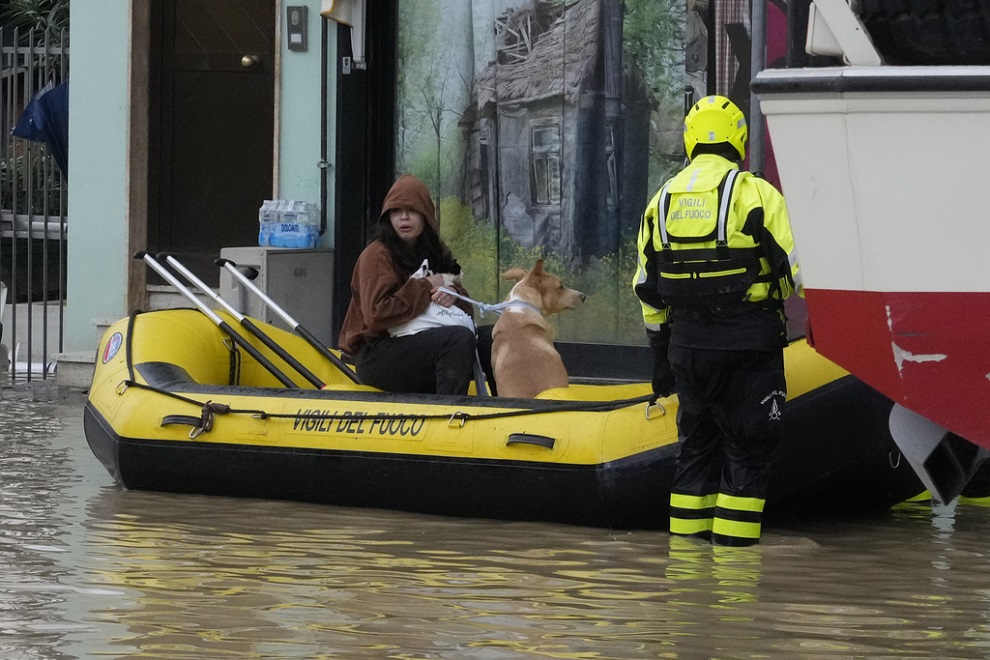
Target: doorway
{"type": "Point", "coordinates": [212, 113]}
{"type": "Point", "coordinates": [365, 141]}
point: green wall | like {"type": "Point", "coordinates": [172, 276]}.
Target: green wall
{"type": "Point", "coordinates": [299, 115]}
{"type": "Point", "coordinates": [98, 162]}
{"type": "Point", "coordinates": [99, 153]}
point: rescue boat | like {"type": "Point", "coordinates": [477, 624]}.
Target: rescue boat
{"type": "Point", "coordinates": [176, 406]}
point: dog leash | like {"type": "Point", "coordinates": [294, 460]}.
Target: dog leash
{"type": "Point", "coordinates": [497, 308]}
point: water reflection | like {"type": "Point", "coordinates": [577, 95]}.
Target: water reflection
{"type": "Point", "coordinates": [93, 571]}
{"type": "Point", "coordinates": [374, 583]}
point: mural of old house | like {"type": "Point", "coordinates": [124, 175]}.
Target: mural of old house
{"type": "Point", "coordinates": [557, 148]}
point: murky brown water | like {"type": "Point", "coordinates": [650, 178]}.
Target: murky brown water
{"type": "Point", "coordinates": [88, 570]}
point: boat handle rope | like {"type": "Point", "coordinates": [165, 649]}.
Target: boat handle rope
{"type": "Point", "coordinates": [210, 409]}
{"type": "Point", "coordinates": [201, 424]}
{"type": "Point", "coordinates": [129, 347]}
{"type": "Point", "coordinates": [463, 417]}
{"type": "Point", "coordinates": [235, 361]}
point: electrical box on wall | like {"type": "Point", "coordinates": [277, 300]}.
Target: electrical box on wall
{"type": "Point", "coordinates": [298, 281]}
{"type": "Point", "coordinates": [296, 27]}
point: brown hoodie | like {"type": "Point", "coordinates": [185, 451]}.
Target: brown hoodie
{"type": "Point", "coordinates": [382, 294]}
{"type": "Point", "coordinates": [408, 192]}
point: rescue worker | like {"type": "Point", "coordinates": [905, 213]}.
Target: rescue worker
{"type": "Point", "coordinates": [716, 260]}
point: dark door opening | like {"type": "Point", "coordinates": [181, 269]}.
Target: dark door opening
{"type": "Point", "coordinates": [211, 127]}
{"type": "Point", "coordinates": [365, 132]}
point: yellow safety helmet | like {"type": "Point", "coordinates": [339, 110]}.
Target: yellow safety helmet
{"type": "Point", "coordinates": [714, 120]}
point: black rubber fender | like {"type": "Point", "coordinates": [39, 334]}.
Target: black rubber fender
{"type": "Point", "coordinates": [934, 32]}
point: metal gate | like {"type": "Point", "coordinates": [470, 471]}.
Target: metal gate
{"type": "Point", "coordinates": [33, 220]}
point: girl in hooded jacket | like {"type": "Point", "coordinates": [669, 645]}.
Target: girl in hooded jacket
{"type": "Point", "coordinates": [437, 360]}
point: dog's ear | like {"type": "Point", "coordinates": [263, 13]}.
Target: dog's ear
{"type": "Point", "coordinates": [514, 274]}
{"type": "Point", "coordinates": [538, 268]}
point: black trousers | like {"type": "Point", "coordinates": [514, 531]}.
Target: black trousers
{"type": "Point", "coordinates": [729, 419]}
{"type": "Point", "coordinates": [435, 361]}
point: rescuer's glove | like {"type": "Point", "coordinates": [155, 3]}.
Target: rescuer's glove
{"type": "Point", "coordinates": [663, 377]}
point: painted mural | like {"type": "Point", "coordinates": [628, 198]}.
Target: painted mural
{"type": "Point", "coordinates": [543, 128]}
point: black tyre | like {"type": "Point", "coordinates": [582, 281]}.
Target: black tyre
{"type": "Point", "coordinates": [937, 32]}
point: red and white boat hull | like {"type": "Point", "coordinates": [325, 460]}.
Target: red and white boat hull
{"type": "Point", "coordinates": [887, 181]}
{"type": "Point", "coordinates": [928, 351]}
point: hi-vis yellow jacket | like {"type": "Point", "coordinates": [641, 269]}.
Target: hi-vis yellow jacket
{"type": "Point", "coordinates": [712, 236]}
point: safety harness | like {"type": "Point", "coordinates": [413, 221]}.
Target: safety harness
{"type": "Point", "coordinates": [705, 275]}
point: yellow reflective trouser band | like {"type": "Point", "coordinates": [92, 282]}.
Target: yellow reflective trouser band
{"type": "Point", "coordinates": [741, 504]}
{"type": "Point", "coordinates": [689, 527]}
{"type": "Point", "coordinates": [691, 514]}
{"type": "Point", "coordinates": [693, 502]}
{"type": "Point", "coordinates": [733, 528]}
{"type": "Point", "coordinates": [737, 518]}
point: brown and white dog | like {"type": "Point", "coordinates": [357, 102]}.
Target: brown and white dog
{"type": "Point", "coordinates": [524, 360]}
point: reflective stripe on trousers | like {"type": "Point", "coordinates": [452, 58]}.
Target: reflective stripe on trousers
{"type": "Point", "coordinates": [738, 520]}
{"type": "Point", "coordinates": [691, 515]}
{"type": "Point", "coordinates": [730, 520]}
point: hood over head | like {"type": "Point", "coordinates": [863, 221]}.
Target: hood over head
{"type": "Point", "coordinates": [409, 192]}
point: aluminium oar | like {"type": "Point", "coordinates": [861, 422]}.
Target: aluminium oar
{"type": "Point", "coordinates": [232, 268]}
{"type": "Point", "coordinates": [245, 322]}
{"type": "Point", "coordinates": [223, 325]}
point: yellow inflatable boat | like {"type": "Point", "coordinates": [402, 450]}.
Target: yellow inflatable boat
{"type": "Point", "coordinates": [176, 406]}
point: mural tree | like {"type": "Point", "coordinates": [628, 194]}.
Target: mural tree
{"type": "Point", "coordinates": [434, 82]}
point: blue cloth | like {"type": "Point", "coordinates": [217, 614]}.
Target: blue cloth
{"type": "Point", "coordinates": [46, 119]}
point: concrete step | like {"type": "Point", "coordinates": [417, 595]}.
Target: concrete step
{"type": "Point", "coordinates": [75, 369]}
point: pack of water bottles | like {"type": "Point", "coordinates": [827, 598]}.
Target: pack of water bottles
{"type": "Point", "coordinates": [288, 223]}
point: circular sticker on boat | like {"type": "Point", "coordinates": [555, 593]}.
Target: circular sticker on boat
{"type": "Point", "coordinates": [113, 345]}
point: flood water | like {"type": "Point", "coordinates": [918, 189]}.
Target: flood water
{"type": "Point", "coordinates": [90, 571]}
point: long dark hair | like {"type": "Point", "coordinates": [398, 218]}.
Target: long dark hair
{"type": "Point", "coordinates": [427, 246]}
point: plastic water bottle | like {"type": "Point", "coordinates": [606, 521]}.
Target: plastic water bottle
{"type": "Point", "coordinates": [311, 223]}
{"type": "Point", "coordinates": [288, 223]}
{"type": "Point", "coordinates": [267, 215]}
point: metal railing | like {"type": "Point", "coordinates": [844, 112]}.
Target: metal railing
{"type": "Point", "coordinates": [33, 225]}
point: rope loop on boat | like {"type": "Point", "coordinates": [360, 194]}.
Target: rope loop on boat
{"type": "Point", "coordinates": [122, 387]}
{"type": "Point", "coordinates": [210, 411]}
{"type": "Point", "coordinates": [457, 417]}
{"type": "Point", "coordinates": [203, 423]}
{"type": "Point", "coordinates": [218, 408]}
